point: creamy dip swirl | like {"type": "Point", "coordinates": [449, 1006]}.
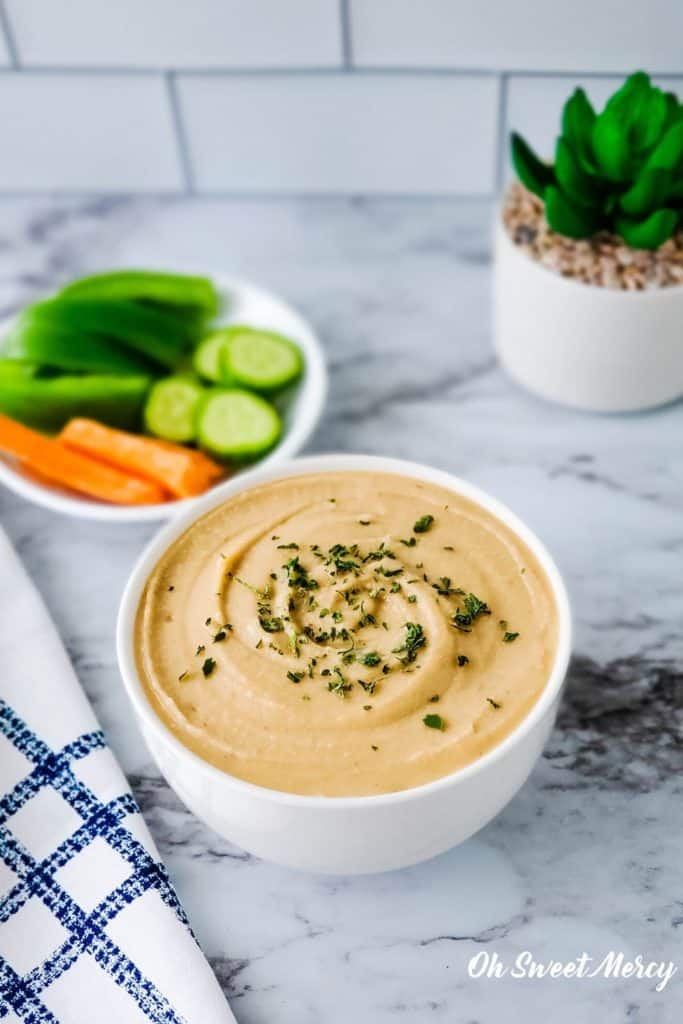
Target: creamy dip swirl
{"type": "Point", "coordinates": [345, 634]}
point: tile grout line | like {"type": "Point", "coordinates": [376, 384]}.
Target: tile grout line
{"type": "Point", "coordinates": [501, 138]}
{"type": "Point", "coordinates": [8, 33]}
{"type": "Point", "coordinates": [294, 72]}
{"type": "Point", "coordinates": [346, 37]}
{"type": "Point", "coordinates": [246, 195]}
{"type": "Point", "coordinates": [182, 143]}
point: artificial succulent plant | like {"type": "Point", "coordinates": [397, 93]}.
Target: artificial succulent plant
{"type": "Point", "coordinates": [619, 171]}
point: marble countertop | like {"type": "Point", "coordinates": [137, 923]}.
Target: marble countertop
{"type": "Point", "coordinates": [587, 857]}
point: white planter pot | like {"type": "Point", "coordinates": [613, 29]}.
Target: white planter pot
{"type": "Point", "coordinates": [593, 348]}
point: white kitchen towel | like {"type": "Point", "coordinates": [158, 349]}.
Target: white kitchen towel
{"type": "Point", "coordinates": [90, 926]}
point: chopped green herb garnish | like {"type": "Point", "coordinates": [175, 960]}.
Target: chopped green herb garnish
{"type": "Point", "coordinates": [503, 623]}
{"type": "Point", "coordinates": [293, 643]}
{"type": "Point", "coordinates": [434, 722]}
{"type": "Point", "coordinates": [444, 588]}
{"type": "Point", "coordinates": [337, 616]}
{"type": "Point", "coordinates": [271, 624]}
{"type": "Point", "coordinates": [207, 622]}
{"type": "Point", "coordinates": [171, 588]}
{"type": "Point", "coordinates": [220, 635]}
{"type": "Point", "coordinates": [367, 707]}
{"type": "Point", "coordinates": [412, 599]}
{"type": "Point", "coordinates": [339, 684]}
{"type": "Point", "coordinates": [208, 667]}
{"type": "Point", "coordinates": [295, 677]}
{"type": "Point", "coordinates": [370, 659]}
{"type": "Point", "coordinates": [509, 637]}
{"type": "Point", "coordinates": [364, 522]}
{"type": "Point", "coordinates": [409, 543]}
{"type": "Point", "coordinates": [373, 747]}
{"type": "Point", "coordinates": [288, 547]}
{"type": "Point", "coordinates": [297, 575]}
{"type": "Point", "coordinates": [423, 524]}
{"type": "Point", "coordinates": [343, 558]}
{"type": "Point", "coordinates": [200, 649]}
{"type": "Point", "coordinates": [414, 640]}
{"type": "Point", "coordinates": [434, 699]}
{"type": "Point", "coordinates": [474, 607]}
{"type": "Point", "coordinates": [183, 675]}
{"type": "Point", "coordinates": [463, 660]}
{"type": "Point", "coordinates": [494, 703]}
{"type": "Point", "coordinates": [369, 687]}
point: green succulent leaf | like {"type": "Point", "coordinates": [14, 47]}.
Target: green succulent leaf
{"type": "Point", "coordinates": [668, 153]}
{"type": "Point", "coordinates": [578, 118]}
{"type": "Point", "coordinates": [649, 121]}
{"type": "Point", "coordinates": [610, 145]}
{"type": "Point", "coordinates": [566, 217]}
{"type": "Point", "coordinates": [581, 187]}
{"type": "Point", "coordinates": [620, 170]}
{"type": "Point", "coordinates": [531, 170]}
{"type": "Point", "coordinates": [673, 109]}
{"type": "Point", "coordinates": [647, 193]}
{"type": "Point", "coordinates": [634, 86]}
{"type": "Point", "coordinates": [649, 233]}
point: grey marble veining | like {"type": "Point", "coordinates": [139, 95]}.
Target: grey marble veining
{"type": "Point", "coordinates": [588, 855]}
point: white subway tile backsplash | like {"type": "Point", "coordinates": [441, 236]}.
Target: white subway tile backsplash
{"type": "Point", "coordinates": [178, 33]}
{"type": "Point", "coordinates": [534, 105]}
{"type": "Point", "coordinates": [342, 133]}
{"type": "Point", "coordinates": [529, 35]}
{"type": "Point", "coordinates": [80, 131]}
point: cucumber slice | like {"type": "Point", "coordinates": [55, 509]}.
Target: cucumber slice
{"type": "Point", "coordinates": [262, 360]}
{"type": "Point", "coordinates": [235, 424]}
{"type": "Point", "coordinates": [171, 409]}
{"type": "Point", "coordinates": [209, 358]}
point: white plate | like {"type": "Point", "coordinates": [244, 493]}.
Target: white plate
{"type": "Point", "coordinates": [301, 408]}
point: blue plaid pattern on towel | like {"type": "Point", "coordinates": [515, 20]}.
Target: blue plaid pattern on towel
{"type": "Point", "coordinates": [20, 993]}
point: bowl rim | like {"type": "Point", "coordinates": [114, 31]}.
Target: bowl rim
{"type": "Point", "coordinates": [330, 463]}
{"type": "Point", "coordinates": [311, 396]}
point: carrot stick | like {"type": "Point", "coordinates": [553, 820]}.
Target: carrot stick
{"type": "Point", "coordinates": [53, 461]}
{"type": "Point", "coordinates": [183, 471]}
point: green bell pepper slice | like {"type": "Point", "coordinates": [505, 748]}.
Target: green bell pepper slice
{"type": "Point", "coordinates": [47, 403]}
{"type": "Point", "coordinates": [172, 290]}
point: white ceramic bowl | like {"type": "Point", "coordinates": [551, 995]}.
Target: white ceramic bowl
{"type": "Point", "coordinates": [593, 348]}
{"type": "Point", "coordinates": [345, 835]}
{"type": "Point", "coordinates": [300, 408]}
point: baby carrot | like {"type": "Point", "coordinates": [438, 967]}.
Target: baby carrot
{"type": "Point", "coordinates": [185, 472]}
{"type": "Point", "coordinates": [55, 462]}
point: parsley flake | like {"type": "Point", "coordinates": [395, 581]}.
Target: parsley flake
{"type": "Point", "coordinates": [434, 722]}
{"type": "Point", "coordinates": [423, 524]}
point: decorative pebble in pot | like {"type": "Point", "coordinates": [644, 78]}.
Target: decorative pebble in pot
{"type": "Point", "coordinates": [588, 306]}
